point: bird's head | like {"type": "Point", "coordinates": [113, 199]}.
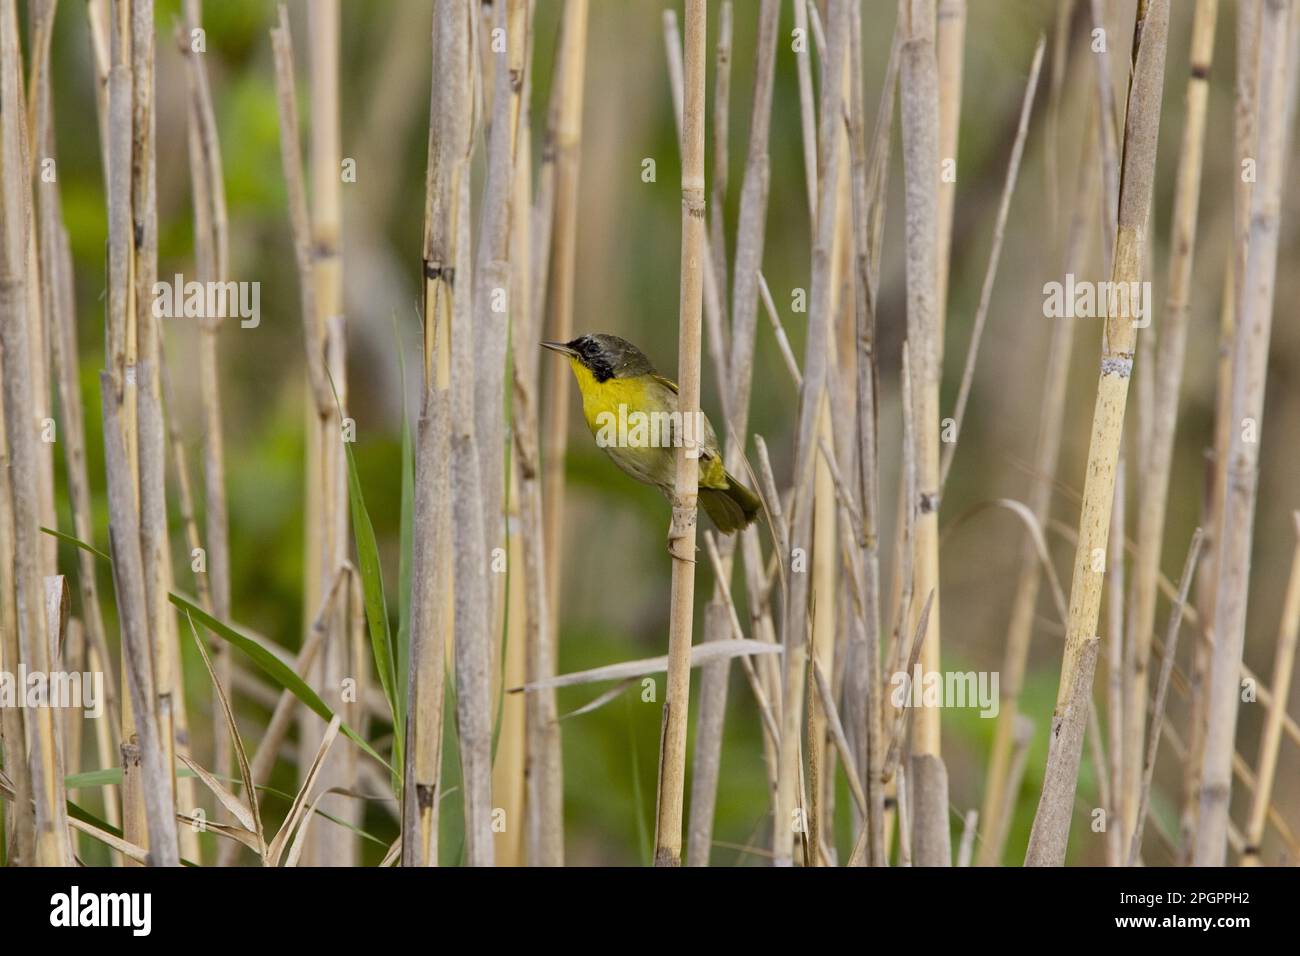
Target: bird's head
{"type": "Point", "coordinates": [603, 356]}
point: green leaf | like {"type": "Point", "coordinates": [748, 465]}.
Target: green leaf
{"type": "Point", "coordinates": [372, 586]}
{"type": "Point", "coordinates": [276, 669]}
{"type": "Point", "coordinates": [109, 777]}
{"type": "Point", "coordinates": [77, 542]}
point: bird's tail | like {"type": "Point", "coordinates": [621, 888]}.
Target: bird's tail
{"type": "Point", "coordinates": [731, 508]}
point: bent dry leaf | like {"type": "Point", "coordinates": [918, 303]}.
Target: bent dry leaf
{"type": "Point", "coordinates": [700, 654]}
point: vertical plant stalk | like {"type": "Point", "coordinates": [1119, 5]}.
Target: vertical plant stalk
{"type": "Point", "coordinates": [681, 533]}
{"type": "Point", "coordinates": [543, 783]}
{"type": "Point", "coordinates": [1142, 123]}
{"type": "Point", "coordinates": [148, 750]}
{"type": "Point", "coordinates": [1249, 374]}
{"type": "Point", "coordinates": [491, 305]}
{"type": "Point", "coordinates": [472, 324]}
{"type": "Point", "coordinates": [920, 129]}
{"type": "Point", "coordinates": [48, 844]}
{"type": "Point", "coordinates": [862, 685]}
{"type": "Point", "coordinates": [1162, 692]}
{"type": "Point", "coordinates": [211, 260]}
{"type": "Point", "coordinates": [59, 308]}
{"type": "Point", "coordinates": [706, 756]}
{"type": "Point", "coordinates": [721, 121]}
{"type": "Point", "coordinates": [509, 774]}
{"type": "Point", "coordinates": [1271, 737]}
{"type": "Point", "coordinates": [1245, 94]}
{"type": "Point", "coordinates": [994, 824]}
{"type": "Point", "coordinates": [750, 234]}
{"type": "Point", "coordinates": [155, 545]}
{"type": "Point", "coordinates": [950, 38]}
{"type": "Point", "coordinates": [832, 590]}
{"type": "Point", "coordinates": [119, 353]}
{"type": "Point", "coordinates": [751, 231]}
{"type": "Point", "coordinates": [473, 648]}
{"type": "Point", "coordinates": [807, 115]}
{"type": "Point", "coordinates": [40, 108]}
{"type": "Point", "coordinates": [707, 761]}
{"type": "Point", "coordinates": [1118, 670]}
{"type": "Point", "coordinates": [1108, 125]}
{"type": "Point", "coordinates": [1212, 511]}
{"type": "Point", "coordinates": [330, 846]}
{"type": "Point", "coordinates": [316, 238]}
{"type": "Point", "coordinates": [789, 801]}
{"type": "Point", "coordinates": [564, 141]}
{"type": "Point", "coordinates": [1168, 378]}
{"type": "Point", "coordinates": [431, 560]}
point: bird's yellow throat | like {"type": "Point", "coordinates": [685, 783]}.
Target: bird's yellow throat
{"type": "Point", "coordinates": [607, 396]}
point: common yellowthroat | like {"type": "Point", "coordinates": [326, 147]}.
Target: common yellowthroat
{"type": "Point", "coordinates": [632, 412]}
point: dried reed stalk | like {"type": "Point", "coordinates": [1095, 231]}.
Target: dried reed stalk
{"type": "Point", "coordinates": [862, 687]}
{"type": "Point", "coordinates": [155, 541]}
{"type": "Point", "coordinates": [994, 824]}
{"type": "Point", "coordinates": [920, 133]}
{"type": "Point", "coordinates": [316, 241]}
{"type": "Point", "coordinates": [950, 38]}
{"type": "Point", "coordinates": [431, 559]}
{"type": "Point", "coordinates": [36, 740]}
{"type": "Point", "coordinates": [564, 140]}
{"type": "Point", "coordinates": [1246, 91]}
{"type": "Point", "coordinates": [788, 811]}
{"type": "Point", "coordinates": [119, 354]}
{"type": "Point", "coordinates": [473, 593]}
{"type": "Point", "coordinates": [40, 116]}
{"type": "Point", "coordinates": [750, 236]}
{"type": "Point", "coordinates": [1249, 374]}
{"type": "Point", "coordinates": [509, 773]}
{"type": "Point", "coordinates": [554, 233]}
{"type": "Point", "coordinates": [1052, 821]}
{"type": "Point", "coordinates": [543, 795]}
{"type": "Point", "coordinates": [145, 751]}
{"type": "Point", "coordinates": [1162, 691]}
{"type": "Point", "coordinates": [807, 114]}
{"type": "Point", "coordinates": [491, 303]}
{"type": "Point", "coordinates": [1271, 737]}
{"type": "Point", "coordinates": [681, 533]}
{"type": "Point", "coordinates": [1168, 378]}
{"type": "Point", "coordinates": [211, 262]}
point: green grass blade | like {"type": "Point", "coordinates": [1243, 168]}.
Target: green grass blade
{"type": "Point", "coordinates": [372, 586]}
{"type": "Point", "coordinates": [77, 542]}
{"type": "Point", "coordinates": [276, 669]}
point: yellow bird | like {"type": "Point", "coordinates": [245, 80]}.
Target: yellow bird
{"type": "Point", "coordinates": [632, 412]}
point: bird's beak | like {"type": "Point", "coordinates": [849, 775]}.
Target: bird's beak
{"type": "Point", "coordinates": [561, 348]}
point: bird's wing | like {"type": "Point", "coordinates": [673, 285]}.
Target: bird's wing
{"type": "Point", "coordinates": [665, 381]}
{"type": "Point", "coordinates": [709, 446]}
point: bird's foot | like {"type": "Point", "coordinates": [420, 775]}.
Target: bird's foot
{"type": "Point", "coordinates": [681, 535]}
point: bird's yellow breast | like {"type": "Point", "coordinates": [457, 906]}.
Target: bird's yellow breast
{"type": "Point", "coordinates": [607, 396]}
{"type": "Point", "coordinates": [615, 400]}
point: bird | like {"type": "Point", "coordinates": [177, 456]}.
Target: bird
{"type": "Point", "coordinates": [624, 401]}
